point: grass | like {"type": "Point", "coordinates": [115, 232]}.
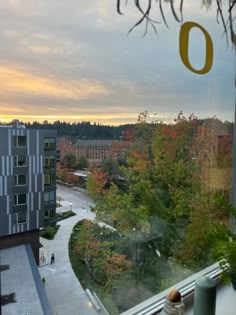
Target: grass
{"type": "Point", "coordinates": [49, 232]}
{"type": "Point", "coordinates": [64, 215]}
{"type": "Point", "coordinates": [134, 285]}
{"type": "Point", "coordinates": [81, 272]}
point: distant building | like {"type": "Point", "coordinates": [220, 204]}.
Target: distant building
{"type": "Point", "coordinates": [64, 145]}
{"type": "Point", "coordinates": [27, 184]}
{"type": "Point", "coordinates": [94, 150]}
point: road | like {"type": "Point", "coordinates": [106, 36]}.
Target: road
{"type": "Point", "coordinates": [77, 196]}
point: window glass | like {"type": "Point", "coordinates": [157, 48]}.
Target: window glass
{"type": "Point", "coordinates": [49, 179]}
{"type": "Point", "coordinates": [19, 217]}
{"type": "Point", "coordinates": [19, 199]}
{"type": "Point", "coordinates": [20, 180]}
{"type": "Point", "coordinates": [173, 178]}
{"type": "Point", "coordinates": [49, 162]}
{"type": "Point", "coordinates": [20, 161]}
{"type": "Point", "coordinates": [171, 85]}
{"type": "Point", "coordinates": [49, 144]}
{"type": "Point", "coordinates": [46, 196]}
{"type": "Point", "coordinates": [49, 197]}
{"type": "Point", "coordinates": [20, 141]}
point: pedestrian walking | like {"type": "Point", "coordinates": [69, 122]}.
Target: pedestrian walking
{"type": "Point", "coordinates": [52, 259]}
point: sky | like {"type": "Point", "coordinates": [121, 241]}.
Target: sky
{"type": "Point", "coordinates": [72, 60]}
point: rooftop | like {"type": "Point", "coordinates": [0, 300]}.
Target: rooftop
{"type": "Point", "coordinates": [22, 278]}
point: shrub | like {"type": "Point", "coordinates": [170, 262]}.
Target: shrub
{"type": "Point", "coordinates": [49, 232]}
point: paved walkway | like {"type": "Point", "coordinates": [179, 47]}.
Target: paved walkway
{"type": "Point", "coordinates": [64, 291]}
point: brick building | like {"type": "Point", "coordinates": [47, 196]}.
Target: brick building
{"type": "Point", "coordinates": [64, 145]}
{"type": "Point", "coordinates": [94, 150]}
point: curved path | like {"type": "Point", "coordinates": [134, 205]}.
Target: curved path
{"type": "Point", "coordinates": [64, 291]}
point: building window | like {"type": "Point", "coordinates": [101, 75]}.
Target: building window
{"type": "Point", "coordinates": [49, 144]}
{"type": "Point", "coordinates": [20, 141]}
{"type": "Point", "coordinates": [19, 217]}
{"type": "Point", "coordinates": [19, 180]}
{"type": "Point", "coordinates": [20, 161]}
{"type": "Point", "coordinates": [19, 199]}
{"type": "Point", "coordinates": [49, 197]}
{"type": "Point", "coordinates": [49, 180]}
{"type": "Point", "coordinates": [49, 213]}
{"type": "Point", "coordinates": [49, 162]}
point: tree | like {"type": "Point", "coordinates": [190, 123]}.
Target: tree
{"type": "Point", "coordinates": [145, 9]}
{"type": "Point", "coordinates": [109, 166]}
{"type": "Point", "coordinates": [96, 184]}
{"type": "Point", "coordinates": [169, 179]}
{"type": "Point", "coordinates": [104, 264]}
{"type": "Point", "coordinates": [82, 163]}
{"type": "Point", "coordinates": [70, 160]}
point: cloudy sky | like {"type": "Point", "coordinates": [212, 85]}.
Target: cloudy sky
{"type": "Point", "coordinates": [71, 60]}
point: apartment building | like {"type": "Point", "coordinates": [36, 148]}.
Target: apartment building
{"type": "Point", "coordinates": [27, 184]}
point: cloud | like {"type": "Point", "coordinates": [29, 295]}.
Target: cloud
{"type": "Point", "coordinates": [23, 82]}
{"type": "Point", "coordinates": [72, 59]}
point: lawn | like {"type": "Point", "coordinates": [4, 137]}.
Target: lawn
{"type": "Point", "coordinates": [64, 215]}
{"type": "Point", "coordinates": [49, 231]}
{"type": "Point", "coordinates": [123, 269]}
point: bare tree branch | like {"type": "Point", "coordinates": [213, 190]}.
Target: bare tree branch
{"type": "Point", "coordinates": [219, 12]}
{"type": "Point", "coordinates": [145, 16]}
{"type": "Point", "coordinates": [173, 11]}
{"type": "Point", "coordinates": [118, 7]}
{"type": "Point", "coordinates": [162, 13]}
{"type": "Point", "coordinates": [221, 16]}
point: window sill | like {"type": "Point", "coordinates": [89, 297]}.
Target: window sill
{"type": "Point", "coordinates": [225, 301]}
{"type": "Point", "coordinates": [186, 287]}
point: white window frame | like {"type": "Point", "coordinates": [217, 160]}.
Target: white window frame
{"type": "Point", "coordinates": [16, 218]}
{"type": "Point", "coordinates": [186, 288]}
{"type": "Point", "coordinates": [16, 161]}
{"type": "Point", "coordinates": [17, 199]}
{"type": "Point", "coordinates": [16, 142]}
{"type": "Point", "coordinates": [17, 180]}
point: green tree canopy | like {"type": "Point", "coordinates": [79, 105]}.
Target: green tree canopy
{"type": "Point", "coordinates": [70, 160]}
{"type": "Point", "coordinates": [82, 163]}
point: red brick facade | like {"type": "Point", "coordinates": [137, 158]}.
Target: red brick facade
{"type": "Point", "coordinates": [64, 145]}
{"type": "Point", "coordinates": [93, 150]}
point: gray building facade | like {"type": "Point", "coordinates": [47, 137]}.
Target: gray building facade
{"type": "Point", "coordinates": [27, 178]}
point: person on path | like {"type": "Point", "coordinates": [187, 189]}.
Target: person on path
{"type": "Point", "coordinates": [52, 259]}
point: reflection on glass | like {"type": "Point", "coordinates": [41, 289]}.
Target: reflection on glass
{"type": "Point", "coordinates": [167, 177]}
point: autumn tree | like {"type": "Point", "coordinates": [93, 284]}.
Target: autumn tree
{"type": "Point", "coordinates": [95, 246]}
{"type": "Point", "coordinates": [109, 166]}
{"type": "Point", "coordinates": [96, 184]}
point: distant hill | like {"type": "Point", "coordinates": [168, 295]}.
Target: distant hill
{"type": "Point", "coordinates": [83, 130]}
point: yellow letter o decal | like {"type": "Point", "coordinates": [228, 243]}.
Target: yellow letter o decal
{"type": "Point", "coordinates": [183, 47]}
